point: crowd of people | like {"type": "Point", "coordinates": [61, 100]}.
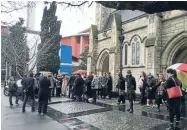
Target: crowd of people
{"type": "Point", "coordinates": [89, 88]}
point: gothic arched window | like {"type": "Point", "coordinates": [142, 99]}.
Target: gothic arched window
{"type": "Point", "coordinates": [125, 54]}
{"type": "Point", "coordinates": [136, 51]}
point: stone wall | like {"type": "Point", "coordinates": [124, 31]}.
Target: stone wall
{"type": "Point", "coordinates": [173, 26]}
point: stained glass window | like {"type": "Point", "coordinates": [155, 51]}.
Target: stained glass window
{"type": "Point", "coordinates": [136, 51]}
{"type": "Point", "coordinates": [126, 52]}
{"type": "Point", "coordinates": [133, 53]}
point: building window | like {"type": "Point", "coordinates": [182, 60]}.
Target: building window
{"type": "Point", "coordinates": [133, 53]}
{"type": "Point", "coordinates": [136, 51]}
{"type": "Point", "coordinates": [125, 53]}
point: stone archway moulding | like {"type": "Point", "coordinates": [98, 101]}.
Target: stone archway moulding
{"type": "Point", "coordinates": [172, 47]}
{"type": "Point", "coordinates": [102, 55]}
{"type": "Point", "coordinates": [182, 56]}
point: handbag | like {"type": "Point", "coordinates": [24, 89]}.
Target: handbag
{"type": "Point", "coordinates": [174, 92]}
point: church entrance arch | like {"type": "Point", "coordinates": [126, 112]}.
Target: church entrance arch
{"type": "Point", "coordinates": [103, 62]}
{"type": "Point", "coordinates": [175, 51]}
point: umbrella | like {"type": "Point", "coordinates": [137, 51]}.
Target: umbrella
{"type": "Point", "coordinates": [181, 69]}
{"type": "Point", "coordinates": [179, 66]}
{"type": "Point", "coordinates": [80, 72]}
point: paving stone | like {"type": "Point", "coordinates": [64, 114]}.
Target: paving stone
{"type": "Point", "coordinates": [117, 120]}
{"type": "Point", "coordinates": [62, 99]}
{"type": "Point", "coordinates": [74, 107]}
{"type": "Point", "coordinates": [112, 102]}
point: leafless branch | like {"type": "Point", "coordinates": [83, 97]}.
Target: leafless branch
{"type": "Point", "coordinates": [90, 4]}
{"type": "Point", "coordinates": [71, 4]}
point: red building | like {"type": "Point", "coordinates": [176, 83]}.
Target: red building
{"type": "Point", "coordinates": [78, 43]}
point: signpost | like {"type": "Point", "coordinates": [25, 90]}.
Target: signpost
{"type": "Point", "coordinates": [66, 59]}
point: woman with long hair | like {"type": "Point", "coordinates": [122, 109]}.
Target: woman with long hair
{"type": "Point", "coordinates": [142, 87]}
{"type": "Point", "coordinates": [160, 89]}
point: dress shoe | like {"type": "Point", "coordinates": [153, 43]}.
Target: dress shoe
{"type": "Point", "coordinates": [128, 109]}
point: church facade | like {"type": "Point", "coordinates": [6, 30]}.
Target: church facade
{"type": "Point", "coordinates": [152, 42]}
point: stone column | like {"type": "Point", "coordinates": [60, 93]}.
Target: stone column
{"type": "Point", "coordinates": [153, 44]}
{"type": "Point", "coordinates": [92, 55]}
{"type": "Point", "coordinates": [115, 48]}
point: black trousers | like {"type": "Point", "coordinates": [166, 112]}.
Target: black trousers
{"type": "Point", "coordinates": [174, 109]}
{"type": "Point", "coordinates": [121, 99]}
{"type": "Point", "coordinates": [42, 107]}
{"type": "Point", "coordinates": [50, 93]}
{"type": "Point", "coordinates": [53, 92]}
{"type": "Point", "coordinates": [99, 92]}
{"type": "Point", "coordinates": [158, 100]}
{"type": "Point", "coordinates": [110, 94]}
{"type": "Point", "coordinates": [131, 99]}
{"type": "Point", "coordinates": [103, 92]}
{"type": "Point", "coordinates": [26, 97]}
{"type": "Point", "coordinates": [69, 91]}
{"type": "Point", "coordinates": [58, 92]}
{"type": "Point", "coordinates": [11, 94]}
{"type": "Point", "coordinates": [94, 94]}
{"type": "Point", "coordinates": [143, 98]}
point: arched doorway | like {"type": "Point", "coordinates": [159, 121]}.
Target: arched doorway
{"type": "Point", "coordinates": [103, 62]}
{"type": "Point", "coordinates": [105, 66]}
{"type": "Point", "coordinates": [175, 50]}
{"type": "Point", "coordinates": [180, 56]}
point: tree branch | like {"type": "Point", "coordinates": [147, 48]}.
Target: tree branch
{"type": "Point", "coordinates": [71, 4]}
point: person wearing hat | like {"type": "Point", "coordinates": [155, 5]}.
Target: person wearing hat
{"type": "Point", "coordinates": [131, 87]}
{"type": "Point", "coordinates": [43, 94]}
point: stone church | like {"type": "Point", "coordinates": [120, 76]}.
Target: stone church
{"type": "Point", "coordinates": [152, 41]}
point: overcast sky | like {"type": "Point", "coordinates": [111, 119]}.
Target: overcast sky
{"type": "Point", "coordinates": [73, 19]}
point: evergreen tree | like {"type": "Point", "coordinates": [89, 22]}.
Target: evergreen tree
{"type": "Point", "coordinates": [83, 59]}
{"type": "Point", "coordinates": [48, 59]}
{"type": "Point", "coordinates": [15, 49]}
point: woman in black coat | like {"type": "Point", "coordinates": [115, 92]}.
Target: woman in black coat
{"type": "Point", "coordinates": [173, 103]}
{"type": "Point", "coordinates": [43, 95]}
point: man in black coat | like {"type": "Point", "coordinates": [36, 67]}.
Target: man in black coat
{"type": "Point", "coordinates": [121, 87]}
{"type": "Point", "coordinates": [78, 87]}
{"type": "Point", "coordinates": [29, 92]}
{"type": "Point", "coordinates": [131, 88]}
{"type": "Point", "coordinates": [109, 85]}
{"type": "Point", "coordinates": [43, 95]}
{"type": "Point", "coordinates": [173, 103]}
{"type": "Point", "coordinates": [71, 83]}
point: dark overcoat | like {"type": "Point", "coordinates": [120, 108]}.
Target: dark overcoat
{"type": "Point", "coordinates": [44, 90]}
{"type": "Point", "coordinates": [78, 86]}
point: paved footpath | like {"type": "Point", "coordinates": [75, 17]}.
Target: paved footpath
{"type": "Point", "coordinates": [13, 119]}
{"type": "Point", "coordinates": [64, 114]}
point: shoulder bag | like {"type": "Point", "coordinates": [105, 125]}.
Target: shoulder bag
{"type": "Point", "coordinates": [174, 92]}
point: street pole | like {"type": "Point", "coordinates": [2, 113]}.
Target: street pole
{"type": "Point", "coordinates": [121, 39]}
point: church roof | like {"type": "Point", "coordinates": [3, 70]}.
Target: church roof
{"type": "Point", "coordinates": [125, 15]}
